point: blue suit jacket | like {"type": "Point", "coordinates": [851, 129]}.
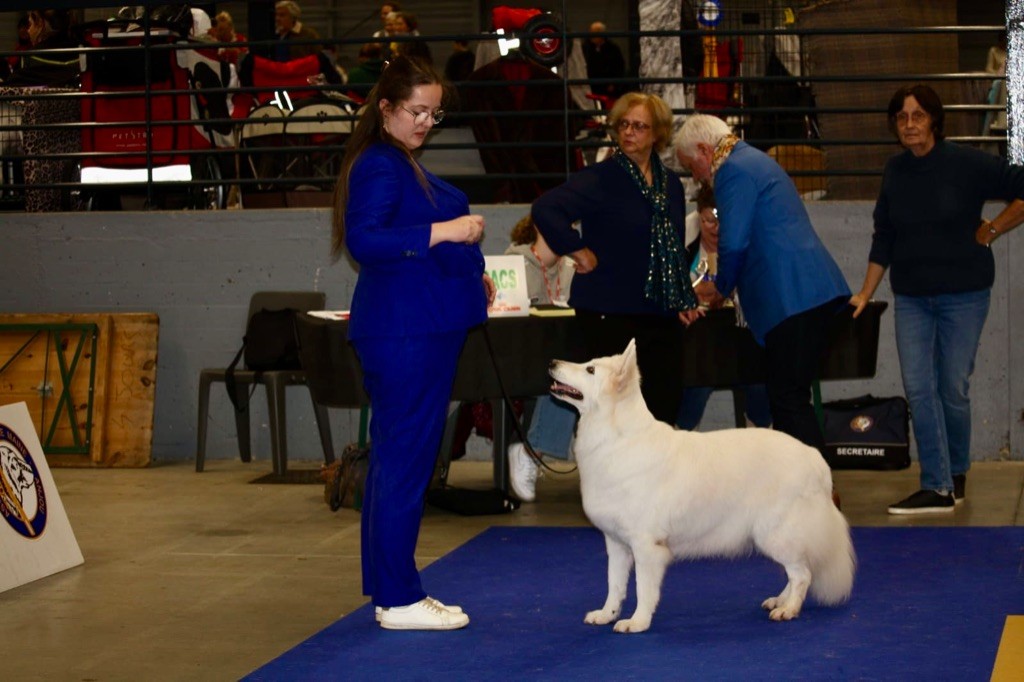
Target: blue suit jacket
{"type": "Point", "coordinates": [405, 287]}
{"type": "Point", "coordinates": [767, 246]}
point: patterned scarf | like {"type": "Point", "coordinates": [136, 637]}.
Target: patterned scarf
{"type": "Point", "coordinates": [722, 151]}
{"type": "Point", "coordinates": [668, 276]}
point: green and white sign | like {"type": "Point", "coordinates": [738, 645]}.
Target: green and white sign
{"type": "Point", "coordinates": [509, 276]}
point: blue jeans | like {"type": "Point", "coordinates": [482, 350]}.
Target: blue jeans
{"type": "Point", "coordinates": [691, 409]}
{"type": "Point", "coordinates": [551, 427]}
{"type": "Point", "coordinates": [937, 339]}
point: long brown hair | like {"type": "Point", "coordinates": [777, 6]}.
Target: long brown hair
{"type": "Point", "coordinates": [399, 78]}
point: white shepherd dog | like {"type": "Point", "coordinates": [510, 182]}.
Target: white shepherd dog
{"type": "Point", "coordinates": [658, 494]}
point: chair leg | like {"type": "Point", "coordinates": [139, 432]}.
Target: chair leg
{"type": "Point", "coordinates": [278, 423]}
{"type": "Point", "coordinates": [203, 421]}
{"type": "Point", "coordinates": [323, 425]}
{"type": "Point", "coordinates": [242, 423]}
{"type": "Point", "coordinates": [502, 420]}
{"type": "Point", "coordinates": [444, 455]}
{"type": "Point", "coordinates": [739, 406]}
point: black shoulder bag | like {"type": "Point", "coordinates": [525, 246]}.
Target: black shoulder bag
{"type": "Point", "coordinates": [270, 343]}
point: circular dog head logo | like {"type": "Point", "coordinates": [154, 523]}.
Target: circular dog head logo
{"type": "Point", "coordinates": [22, 500]}
{"type": "Point", "coordinates": [861, 423]}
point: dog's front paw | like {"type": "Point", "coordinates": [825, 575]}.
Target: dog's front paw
{"type": "Point", "coordinates": [783, 613]}
{"type": "Point", "coordinates": [770, 603]}
{"type": "Point", "coordinates": [633, 624]}
{"type": "Point", "coordinates": [600, 617]}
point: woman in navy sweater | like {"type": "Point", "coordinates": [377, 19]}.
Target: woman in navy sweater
{"type": "Point", "coordinates": [632, 276]}
{"type": "Point", "coordinates": [930, 234]}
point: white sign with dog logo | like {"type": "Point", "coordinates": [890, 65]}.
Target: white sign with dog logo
{"type": "Point", "coordinates": [36, 539]}
{"type": "Point", "coordinates": [509, 276]}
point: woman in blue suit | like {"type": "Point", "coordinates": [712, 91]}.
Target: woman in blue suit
{"type": "Point", "coordinates": [789, 285]}
{"type": "Point", "coordinates": [421, 286]}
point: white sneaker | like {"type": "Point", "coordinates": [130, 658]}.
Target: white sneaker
{"type": "Point", "coordinates": [522, 472]}
{"type": "Point", "coordinates": [426, 614]}
{"type": "Point", "coordinates": [378, 611]}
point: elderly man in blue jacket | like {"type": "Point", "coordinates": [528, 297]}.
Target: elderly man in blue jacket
{"type": "Point", "coordinates": [789, 285]}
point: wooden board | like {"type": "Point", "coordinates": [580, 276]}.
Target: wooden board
{"type": "Point", "coordinates": [121, 371]}
{"type": "Point", "coordinates": [799, 157]}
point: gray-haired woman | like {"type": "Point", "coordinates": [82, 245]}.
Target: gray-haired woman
{"type": "Point", "coordinates": [930, 234]}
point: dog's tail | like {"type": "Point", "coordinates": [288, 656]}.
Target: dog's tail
{"type": "Point", "coordinates": [833, 561]}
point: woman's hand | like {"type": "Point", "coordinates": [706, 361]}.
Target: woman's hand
{"type": "Point", "coordinates": [584, 259]}
{"type": "Point", "coordinates": [688, 317]}
{"type": "Point", "coordinates": [708, 294]}
{"type": "Point", "coordinates": [466, 229]}
{"type": "Point", "coordinates": [859, 301]}
{"type": "Point", "coordinates": [986, 233]}
{"type": "Point", "coordinates": [872, 278]}
{"type": "Point", "coordinates": [490, 289]}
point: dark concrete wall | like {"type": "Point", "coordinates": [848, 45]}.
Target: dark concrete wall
{"type": "Point", "coordinates": [198, 269]}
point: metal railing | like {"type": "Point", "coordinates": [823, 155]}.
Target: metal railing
{"type": "Point", "coordinates": [48, 154]}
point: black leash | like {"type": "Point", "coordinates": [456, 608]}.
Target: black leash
{"type": "Point", "coordinates": [515, 420]}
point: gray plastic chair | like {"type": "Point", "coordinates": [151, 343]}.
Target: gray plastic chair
{"type": "Point", "coordinates": [275, 382]}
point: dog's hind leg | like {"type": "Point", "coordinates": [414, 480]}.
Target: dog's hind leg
{"type": "Point", "coordinates": [620, 563]}
{"type": "Point", "coordinates": [787, 605]}
{"type": "Point", "coordinates": [651, 561]}
{"type": "Point", "coordinates": [789, 540]}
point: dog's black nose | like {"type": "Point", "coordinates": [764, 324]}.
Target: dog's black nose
{"type": "Point", "coordinates": [551, 365]}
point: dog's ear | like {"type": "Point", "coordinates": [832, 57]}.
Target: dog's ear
{"type": "Point", "coordinates": [626, 373]}
{"type": "Point", "coordinates": [629, 355]}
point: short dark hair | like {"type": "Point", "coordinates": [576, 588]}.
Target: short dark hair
{"type": "Point", "coordinates": [929, 101]}
{"type": "Point", "coordinates": [705, 197]}
{"type": "Point", "coordinates": [371, 51]}
{"type": "Point", "coordinates": [524, 232]}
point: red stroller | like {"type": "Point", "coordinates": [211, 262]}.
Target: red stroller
{"type": "Point", "coordinates": [143, 116]}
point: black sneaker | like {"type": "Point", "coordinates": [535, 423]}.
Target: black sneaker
{"type": "Point", "coordinates": [924, 502]}
{"type": "Point", "coordinates": [959, 488]}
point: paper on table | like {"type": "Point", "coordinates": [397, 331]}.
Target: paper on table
{"type": "Point", "coordinates": [331, 314]}
{"type": "Point", "coordinates": [552, 310]}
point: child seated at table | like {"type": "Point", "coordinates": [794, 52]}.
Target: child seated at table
{"type": "Point", "coordinates": [548, 278]}
{"type": "Point", "coordinates": [703, 270]}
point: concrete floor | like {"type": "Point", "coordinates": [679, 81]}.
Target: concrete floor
{"type": "Point", "coordinates": [206, 577]}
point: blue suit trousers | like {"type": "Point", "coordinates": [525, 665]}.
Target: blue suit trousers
{"type": "Point", "coordinates": [409, 381]}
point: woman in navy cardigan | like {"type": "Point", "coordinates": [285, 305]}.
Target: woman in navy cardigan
{"type": "Point", "coordinates": [621, 222]}
{"type": "Point", "coordinates": [421, 286]}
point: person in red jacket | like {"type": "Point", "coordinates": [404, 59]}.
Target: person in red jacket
{"type": "Point", "coordinates": [223, 31]}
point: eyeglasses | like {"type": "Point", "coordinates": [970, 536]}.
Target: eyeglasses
{"type": "Point", "coordinates": [917, 117]}
{"type": "Point", "coordinates": [638, 127]}
{"type": "Point", "coordinates": [419, 118]}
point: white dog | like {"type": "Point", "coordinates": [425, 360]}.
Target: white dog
{"type": "Point", "coordinates": [657, 494]}
{"type": "Point", "coordinates": [17, 471]}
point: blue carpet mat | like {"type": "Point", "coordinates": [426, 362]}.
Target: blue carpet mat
{"type": "Point", "coordinates": [928, 604]}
